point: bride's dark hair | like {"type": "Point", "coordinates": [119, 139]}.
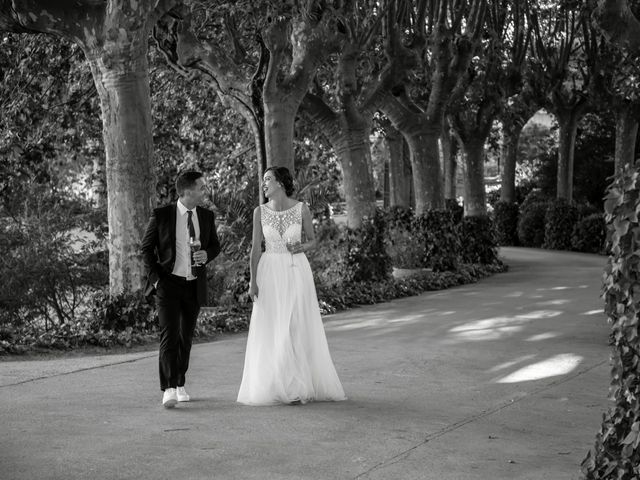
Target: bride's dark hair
{"type": "Point", "coordinates": [283, 175]}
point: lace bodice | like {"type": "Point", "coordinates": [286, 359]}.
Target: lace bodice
{"type": "Point", "coordinates": [277, 227]}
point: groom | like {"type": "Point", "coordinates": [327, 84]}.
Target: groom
{"type": "Point", "coordinates": [179, 286]}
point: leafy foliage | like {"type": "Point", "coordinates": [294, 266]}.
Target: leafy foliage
{"type": "Point", "coordinates": [616, 453]}
{"type": "Point", "coordinates": [478, 240]}
{"type": "Point", "coordinates": [405, 244]}
{"type": "Point", "coordinates": [439, 230]}
{"type": "Point", "coordinates": [125, 311]}
{"type": "Point", "coordinates": [47, 270]}
{"type": "Point", "coordinates": [505, 216]}
{"type": "Point", "coordinates": [531, 224]}
{"type": "Point", "coordinates": [366, 258]}
{"type": "Point", "coordinates": [559, 221]}
{"type": "Point", "coordinates": [589, 234]}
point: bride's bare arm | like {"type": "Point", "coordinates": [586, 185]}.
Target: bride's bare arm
{"type": "Point", "coordinates": [256, 252]}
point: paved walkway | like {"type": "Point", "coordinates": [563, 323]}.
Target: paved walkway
{"type": "Point", "coordinates": [503, 379]}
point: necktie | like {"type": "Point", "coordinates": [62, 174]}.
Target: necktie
{"type": "Point", "coordinates": [192, 235]}
{"type": "Point", "coordinates": [192, 230]}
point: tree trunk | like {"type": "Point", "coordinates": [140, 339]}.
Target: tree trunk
{"type": "Point", "coordinates": [348, 131]}
{"type": "Point", "coordinates": [399, 171]}
{"type": "Point", "coordinates": [509, 160]}
{"type": "Point", "coordinates": [425, 164]}
{"type": "Point", "coordinates": [422, 135]}
{"type": "Point", "coordinates": [352, 149]}
{"type": "Point", "coordinates": [449, 164]}
{"type": "Point", "coordinates": [279, 121]}
{"type": "Point", "coordinates": [475, 204]}
{"type": "Point", "coordinates": [123, 88]}
{"type": "Point", "coordinates": [626, 136]}
{"type": "Point", "coordinates": [568, 126]}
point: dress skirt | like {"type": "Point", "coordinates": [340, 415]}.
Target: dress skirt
{"type": "Point", "coordinates": [287, 357]}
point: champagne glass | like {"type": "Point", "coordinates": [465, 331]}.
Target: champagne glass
{"type": "Point", "coordinates": [195, 245]}
{"type": "Point", "coordinates": [290, 244]}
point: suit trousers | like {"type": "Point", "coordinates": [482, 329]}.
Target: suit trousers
{"type": "Point", "coordinates": [178, 310]}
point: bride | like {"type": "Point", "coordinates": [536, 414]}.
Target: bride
{"type": "Point", "coordinates": [287, 358]}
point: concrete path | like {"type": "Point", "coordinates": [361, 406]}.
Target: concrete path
{"type": "Point", "coordinates": [503, 379]}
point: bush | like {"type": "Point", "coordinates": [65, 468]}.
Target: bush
{"type": "Point", "coordinates": [505, 217]}
{"type": "Point", "coordinates": [121, 312]}
{"type": "Point", "coordinates": [366, 258]}
{"type": "Point", "coordinates": [560, 218]}
{"type": "Point", "coordinates": [404, 245]}
{"type": "Point", "coordinates": [589, 234]}
{"type": "Point", "coordinates": [455, 208]}
{"type": "Point", "coordinates": [531, 224]}
{"type": "Point", "coordinates": [439, 230]}
{"type": "Point", "coordinates": [478, 239]}
{"type": "Point", "coordinates": [47, 273]}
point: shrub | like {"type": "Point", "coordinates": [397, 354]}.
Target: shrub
{"type": "Point", "coordinates": [455, 208]}
{"type": "Point", "coordinates": [560, 218]}
{"type": "Point", "coordinates": [505, 217]}
{"type": "Point", "coordinates": [441, 237]}
{"type": "Point", "coordinates": [127, 310]}
{"type": "Point", "coordinates": [478, 239]}
{"type": "Point", "coordinates": [365, 257]}
{"type": "Point", "coordinates": [47, 273]}
{"type": "Point", "coordinates": [404, 244]}
{"type": "Point", "coordinates": [589, 234]}
{"type": "Point", "coordinates": [531, 224]}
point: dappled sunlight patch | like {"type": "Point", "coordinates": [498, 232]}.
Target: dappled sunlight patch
{"type": "Point", "coordinates": [498, 327]}
{"type": "Point", "coordinates": [512, 363]}
{"type": "Point", "coordinates": [514, 295]}
{"type": "Point", "coordinates": [542, 336]}
{"type": "Point", "coordinates": [376, 321]}
{"type": "Point", "coordinates": [560, 301]}
{"type": "Point", "coordinates": [557, 365]}
{"type": "Point", "coordinates": [555, 289]}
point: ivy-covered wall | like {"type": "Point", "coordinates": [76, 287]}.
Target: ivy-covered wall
{"type": "Point", "coordinates": [616, 453]}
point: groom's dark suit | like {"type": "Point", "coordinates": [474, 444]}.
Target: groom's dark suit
{"type": "Point", "coordinates": [178, 299]}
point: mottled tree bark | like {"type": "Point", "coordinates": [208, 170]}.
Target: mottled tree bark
{"type": "Point", "coordinates": [449, 163]}
{"type": "Point", "coordinates": [400, 177]}
{"type": "Point", "coordinates": [568, 127]}
{"type": "Point", "coordinates": [626, 136]}
{"type": "Point", "coordinates": [475, 204]}
{"type": "Point", "coordinates": [509, 154]}
{"type": "Point", "coordinates": [348, 132]}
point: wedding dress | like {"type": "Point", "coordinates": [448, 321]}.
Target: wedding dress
{"type": "Point", "coordinates": [287, 357]}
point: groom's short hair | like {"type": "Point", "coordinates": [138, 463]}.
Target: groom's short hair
{"type": "Point", "coordinates": [186, 180]}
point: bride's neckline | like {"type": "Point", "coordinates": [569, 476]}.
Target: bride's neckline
{"type": "Point", "coordinates": [280, 211]}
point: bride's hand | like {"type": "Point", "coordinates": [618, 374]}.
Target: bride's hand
{"type": "Point", "coordinates": [253, 292]}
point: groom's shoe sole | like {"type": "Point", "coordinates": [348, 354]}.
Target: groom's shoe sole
{"type": "Point", "coordinates": [170, 403]}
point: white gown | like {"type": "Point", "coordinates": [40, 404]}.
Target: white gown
{"type": "Point", "coordinates": [287, 357]}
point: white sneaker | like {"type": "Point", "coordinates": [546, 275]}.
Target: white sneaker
{"type": "Point", "coordinates": [182, 394]}
{"type": "Point", "coordinates": [169, 399]}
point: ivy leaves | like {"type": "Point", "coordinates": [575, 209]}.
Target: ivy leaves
{"type": "Point", "coordinates": [616, 453]}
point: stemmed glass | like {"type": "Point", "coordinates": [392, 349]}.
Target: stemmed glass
{"type": "Point", "coordinates": [290, 244]}
{"type": "Point", "coordinates": [195, 245]}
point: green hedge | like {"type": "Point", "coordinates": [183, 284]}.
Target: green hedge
{"type": "Point", "coordinates": [531, 225]}
{"type": "Point", "coordinates": [505, 216]}
{"type": "Point", "coordinates": [559, 221]}
{"type": "Point", "coordinates": [478, 240]}
{"type": "Point", "coordinates": [589, 234]}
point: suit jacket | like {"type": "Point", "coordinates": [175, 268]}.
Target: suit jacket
{"type": "Point", "coordinates": [159, 247]}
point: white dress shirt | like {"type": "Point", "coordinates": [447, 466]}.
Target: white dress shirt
{"type": "Point", "coordinates": [182, 267]}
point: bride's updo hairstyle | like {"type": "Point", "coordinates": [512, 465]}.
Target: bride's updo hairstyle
{"type": "Point", "coordinates": [283, 176]}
